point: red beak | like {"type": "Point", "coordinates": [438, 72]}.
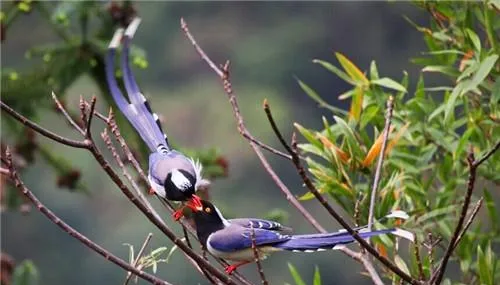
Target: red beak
{"type": "Point", "coordinates": [195, 204]}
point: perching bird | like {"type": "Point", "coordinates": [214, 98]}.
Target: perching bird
{"type": "Point", "coordinates": [232, 239]}
{"type": "Point", "coordinates": [172, 175]}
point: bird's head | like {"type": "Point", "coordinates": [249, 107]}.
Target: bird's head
{"type": "Point", "coordinates": [208, 219]}
{"type": "Point", "coordinates": [179, 185]}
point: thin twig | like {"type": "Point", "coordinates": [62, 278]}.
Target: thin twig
{"type": "Point", "coordinates": [439, 273]}
{"type": "Point", "coordinates": [61, 109]}
{"type": "Point", "coordinates": [420, 267]}
{"type": "Point", "coordinates": [487, 155]}
{"type": "Point", "coordinates": [241, 126]}
{"type": "Point", "coordinates": [88, 133]}
{"type": "Point", "coordinates": [220, 73]}
{"type": "Point", "coordinates": [257, 258]}
{"type": "Point", "coordinates": [393, 267]}
{"type": "Point", "coordinates": [469, 221]}
{"type": "Point", "coordinates": [458, 233]}
{"type": "Point", "coordinates": [380, 163]}
{"type": "Point", "coordinates": [138, 257]}
{"type": "Point", "coordinates": [43, 131]}
{"type": "Point", "coordinates": [71, 231]}
{"type": "Point", "coordinates": [295, 159]}
{"type": "Point", "coordinates": [4, 171]}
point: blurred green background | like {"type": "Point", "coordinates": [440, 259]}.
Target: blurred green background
{"type": "Point", "coordinates": [269, 44]}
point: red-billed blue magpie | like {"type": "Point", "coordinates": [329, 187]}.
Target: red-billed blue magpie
{"type": "Point", "coordinates": [232, 239]}
{"type": "Point", "coordinates": [172, 175]}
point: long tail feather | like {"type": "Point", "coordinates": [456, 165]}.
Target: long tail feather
{"type": "Point", "coordinates": [138, 112]}
{"type": "Point", "coordinates": [319, 242]}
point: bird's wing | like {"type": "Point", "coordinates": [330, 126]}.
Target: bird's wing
{"type": "Point", "coordinates": [235, 238]}
{"type": "Point", "coordinates": [261, 224]}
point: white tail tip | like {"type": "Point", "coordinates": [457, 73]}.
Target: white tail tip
{"type": "Point", "coordinates": [132, 27]}
{"type": "Point", "coordinates": [404, 234]}
{"type": "Point", "coordinates": [115, 41]}
{"type": "Point", "coordinates": [398, 214]}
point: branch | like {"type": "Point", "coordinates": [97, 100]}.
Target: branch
{"type": "Point", "coordinates": [241, 128]}
{"type": "Point", "coordinates": [61, 109]}
{"type": "Point", "coordinates": [90, 145]}
{"type": "Point", "coordinates": [72, 232]}
{"type": "Point", "coordinates": [487, 155]}
{"type": "Point", "coordinates": [439, 273]}
{"type": "Point", "coordinates": [88, 133]}
{"type": "Point", "coordinates": [469, 221]}
{"type": "Point", "coordinates": [376, 180]}
{"type": "Point", "coordinates": [44, 132]}
{"type": "Point", "coordinates": [300, 169]}
{"type": "Point", "coordinates": [224, 75]}
{"type": "Point", "coordinates": [256, 257]}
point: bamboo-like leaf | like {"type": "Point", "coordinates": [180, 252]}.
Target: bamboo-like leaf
{"type": "Point", "coordinates": [401, 264]}
{"type": "Point", "coordinates": [476, 42]}
{"type": "Point", "coordinates": [389, 83]}
{"type": "Point", "coordinates": [329, 145]}
{"type": "Point", "coordinates": [317, 276]}
{"type": "Point", "coordinates": [335, 70]}
{"type": "Point", "coordinates": [396, 138]}
{"type": "Point", "coordinates": [484, 265]}
{"type": "Point", "coordinates": [352, 70]}
{"type": "Point", "coordinates": [356, 103]}
{"type": "Point", "coordinates": [375, 149]}
{"type": "Point", "coordinates": [322, 103]}
{"type": "Point", "coordinates": [296, 276]}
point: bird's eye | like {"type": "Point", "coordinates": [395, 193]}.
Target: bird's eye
{"type": "Point", "coordinates": [208, 210]}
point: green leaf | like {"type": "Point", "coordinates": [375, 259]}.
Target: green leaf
{"type": "Point", "coordinates": [389, 83]}
{"type": "Point", "coordinates": [476, 42]}
{"type": "Point", "coordinates": [448, 70]}
{"type": "Point", "coordinates": [352, 70]}
{"type": "Point", "coordinates": [373, 71]}
{"type": "Point", "coordinates": [368, 114]}
{"type": "Point", "coordinates": [296, 276]}
{"type": "Point", "coordinates": [25, 274]}
{"type": "Point", "coordinates": [317, 276]}
{"type": "Point", "coordinates": [401, 264]}
{"type": "Point", "coordinates": [352, 142]}
{"type": "Point", "coordinates": [483, 71]}
{"type": "Point", "coordinates": [335, 70]}
{"type": "Point", "coordinates": [492, 209]}
{"type": "Point", "coordinates": [484, 265]}
{"type": "Point", "coordinates": [308, 135]}
{"type": "Point", "coordinates": [322, 103]}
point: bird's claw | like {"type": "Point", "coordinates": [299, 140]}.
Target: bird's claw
{"type": "Point", "coordinates": [178, 214]}
{"type": "Point", "coordinates": [230, 269]}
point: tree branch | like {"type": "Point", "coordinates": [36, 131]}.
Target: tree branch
{"type": "Point", "coordinates": [71, 231]}
{"type": "Point", "coordinates": [380, 163]}
{"type": "Point", "coordinates": [293, 150]}
{"type": "Point", "coordinates": [44, 132]}
{"type": "Point", "coordinates": [473, 165]}
{"type": "Point", "coordinates": [256, 257]}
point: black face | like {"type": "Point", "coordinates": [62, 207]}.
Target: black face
{"type": "Point", "coordinates": [173, 192]}
{"type": "Point", "coordinates": [207, 221]}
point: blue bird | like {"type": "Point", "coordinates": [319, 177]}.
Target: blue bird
{"type": "Point", "coordinates": [232, 239]}
{"type": "Point", "coordinates": [172, 175]}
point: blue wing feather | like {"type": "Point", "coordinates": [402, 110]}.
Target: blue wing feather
{"type": "Point", "coordinates": [235, 238]}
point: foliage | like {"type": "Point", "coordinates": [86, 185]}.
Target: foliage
{"type": "Point", "coordinates": [425, 169]}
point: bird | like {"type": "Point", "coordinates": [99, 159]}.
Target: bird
{"type": "Point", "coordinates": [232, 239]}
{"type": "Point", "coordinates": [171, 174]}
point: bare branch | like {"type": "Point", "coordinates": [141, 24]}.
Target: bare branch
{"type": "Point", "coordinates": [138, 257]}
{"type": "Point", "coordinates": [487, 155]}
{"type": "Point", "coordinates": [72, 232]}
{"type": "Point", "coordinates": [70, 120]}
{"type": "Point", "coordinates": [376, 180]}
{"type": "Point", "coordinates": [416, 251]}
{"type": "Point", "coordinates": [469, 221]}
{"type": "Point", "coordinates": [439, 273]}
{"type": "Point", "coordinates": [88, 133]}
{"type": "Point", "coordinates": [41, 130]}
{"type": "Point", "coordinates": [224, 75]}
{"type": "Point", "coordinates": [256, 257]}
